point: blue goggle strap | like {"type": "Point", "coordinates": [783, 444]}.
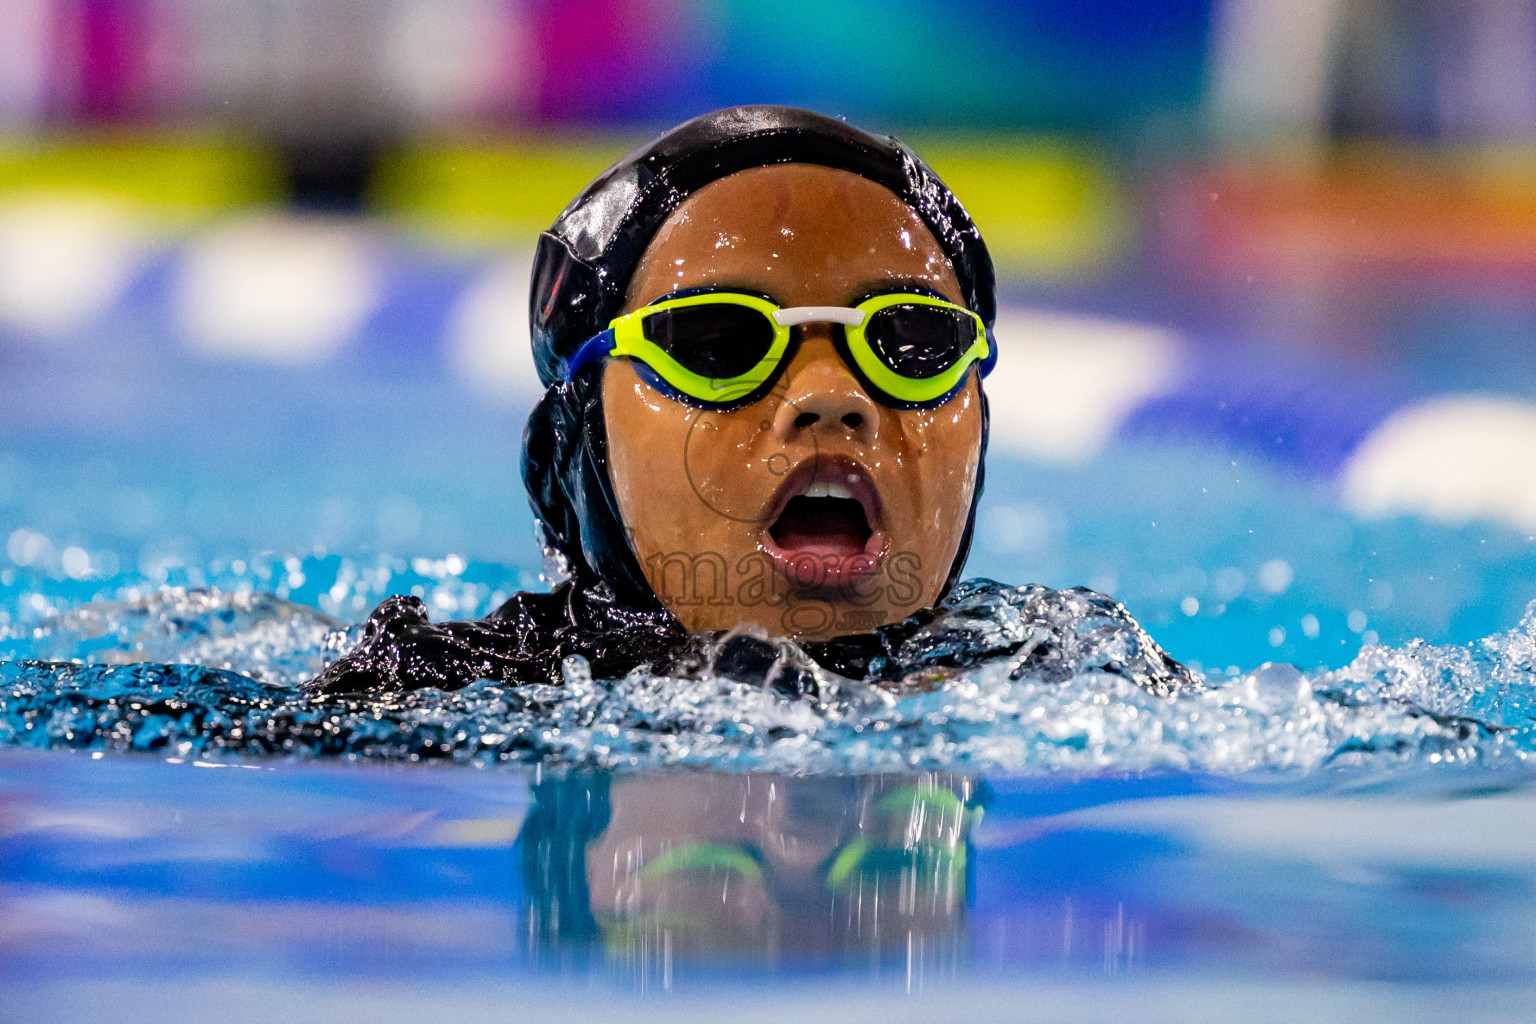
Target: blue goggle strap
{"type": "Point", "coordinates": [991, 360]}
{"type": "Point", "coordinates": [593, 350]}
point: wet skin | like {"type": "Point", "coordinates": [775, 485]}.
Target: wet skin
{"type": "Point", "coordinates": [708, 492]}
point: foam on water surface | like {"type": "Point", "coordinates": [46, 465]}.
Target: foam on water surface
{"type": "Point", "coordinates": [1067, 680]}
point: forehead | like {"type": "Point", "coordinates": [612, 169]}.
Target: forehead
{"type": "Point", "coordinates": [803, 234]}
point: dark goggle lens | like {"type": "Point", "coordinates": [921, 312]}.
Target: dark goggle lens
{"type": "Point", "coordinates": [715, 340]}
{"type": "Point", "coordinates": [919, 341]}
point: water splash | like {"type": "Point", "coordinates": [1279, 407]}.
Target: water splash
{"type": "Point", "coordinates": [1066, 679]}
{"type": "Point", "coordinates": [252, 633]}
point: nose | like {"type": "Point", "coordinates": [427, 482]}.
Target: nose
{"type": "Point", "coordinates": [821, 393]}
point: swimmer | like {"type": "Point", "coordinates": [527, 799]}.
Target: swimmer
{"type": "Point", "coordinates": [763, 338]}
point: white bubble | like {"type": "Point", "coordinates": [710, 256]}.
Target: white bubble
{"type": "Point", "coordinates": [1381, 595]}
{"type": "Point", "coordinates": [76, 563]}
{"type": "Point", "coordinates": [1277, 636]}
{"type": "Point", "coordinates": [1310, 626]}
{"type": "Point", "coordinates": [1230, 583]}
{"type": "Point", "coordinates": [1190, 605]}
{"type": "Point", "coordinates": [28, 547]}
{"type": "Point", "coordinates": [1275, 576]}
{"type": "Point", "coordinates": [1357, 621]}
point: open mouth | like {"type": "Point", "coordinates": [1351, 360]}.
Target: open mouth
{"type": "Point", "coordinates": [828, 513]}
{"type": "Point", "coordinates": [825, 519]}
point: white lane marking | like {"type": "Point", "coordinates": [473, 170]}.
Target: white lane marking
{"type": "Point", "coordinates": [1064, 383]}
{"type": "Point", "coordinates": [1450, 459]}
{"type": "Point", "coordinates": [65, 259]}
{"type": "Point", "coordinates": [487, 332]}
{"type": "Point", "coordinates": [276, 289]}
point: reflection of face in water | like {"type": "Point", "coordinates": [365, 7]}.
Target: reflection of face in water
{"type": "Point", "coordinates": [758, 864]}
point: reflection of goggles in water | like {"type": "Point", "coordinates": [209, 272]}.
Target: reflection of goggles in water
{"type": "Point", "coordinates": [934, 841]}
{"type": "Point", "coordinates": [725, 348]}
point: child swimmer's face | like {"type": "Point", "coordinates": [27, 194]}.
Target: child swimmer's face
{"type": "Point", "coordinates": [814, 511]}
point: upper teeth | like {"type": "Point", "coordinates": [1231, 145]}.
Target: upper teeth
{"type": "Point", "coordinates": [827, 490]}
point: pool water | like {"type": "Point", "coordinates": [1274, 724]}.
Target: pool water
{"type": "Point", "coordinates": [150, 888]}
{"type": "Point", "coordinates": [1050, 681]}
{"type": "Point", "coordinates": [1331, 822]}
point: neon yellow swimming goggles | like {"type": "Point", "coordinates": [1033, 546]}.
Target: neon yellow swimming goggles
{"type": "Point", "coordinates": [720, 349]}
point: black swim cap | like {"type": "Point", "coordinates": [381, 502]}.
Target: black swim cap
{"type": "Point", "coordinates": [581, 274]}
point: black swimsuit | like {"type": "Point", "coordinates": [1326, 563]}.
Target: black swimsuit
{"type": "Point", "coordinates": [1039, 632]}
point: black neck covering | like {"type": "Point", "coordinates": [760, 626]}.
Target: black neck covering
{"type": "Point", "coordinates": [581, 273]}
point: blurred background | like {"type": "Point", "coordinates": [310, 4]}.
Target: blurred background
{"type": "Point", "coordinates": [1268, 274]}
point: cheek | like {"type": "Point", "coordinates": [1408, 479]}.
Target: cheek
{"type": "Point", "coordinates": [945, 446]}
{"type": "Point", "coordinates": [677, 473]}
{"type": "Point", "coordinates": [646, 433]}
{"type": "Point", "coordinates": [943, 451]}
